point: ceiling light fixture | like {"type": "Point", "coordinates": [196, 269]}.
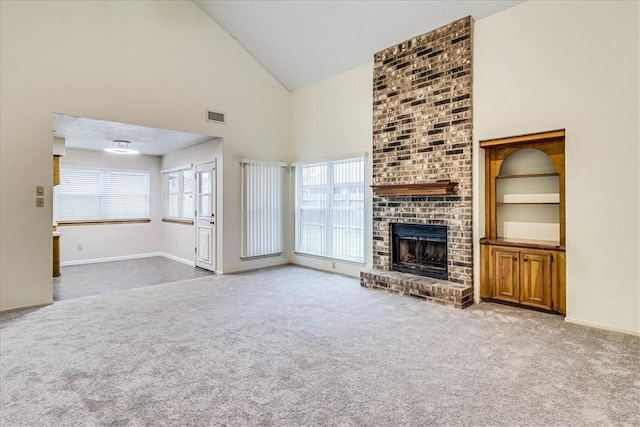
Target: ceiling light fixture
{"type": "Point", "coordinates": [121, 146]}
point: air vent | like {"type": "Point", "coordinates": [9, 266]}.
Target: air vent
{"type": "Point", "coordinates": [212, 116]}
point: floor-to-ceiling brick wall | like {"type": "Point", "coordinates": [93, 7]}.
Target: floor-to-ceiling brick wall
{"type": "Point", "coordinates": [422, 134]}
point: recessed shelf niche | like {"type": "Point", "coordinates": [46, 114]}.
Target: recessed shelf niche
{"type": "Point", "coordinates": [528, 197]}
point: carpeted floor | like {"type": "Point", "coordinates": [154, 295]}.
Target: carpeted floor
{"type": "Point", "coordinates": [289, 346]}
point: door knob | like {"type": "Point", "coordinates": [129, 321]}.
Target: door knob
{"type": "Point", "coordinates": [211, 222]}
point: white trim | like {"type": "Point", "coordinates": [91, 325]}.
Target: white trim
{"type": "Point", "coordinates": [600, 326]}
{"type": "Point", "coordinates": [332, 158]}
{"type": "Point", "coordinates": [178, 259]}
{"type": "Point", "coordinates": [109, 259]}
{"type": "Point", "coordinates": [127, 257]}
{"type": "Point", "coordinates": [334, 260]}
{"type": "Point", "coordinates": [178, 168]}
{"type": "Point", "coordinates": [244, 161]}
{"type": "Point", "coordinates": [241, 269]}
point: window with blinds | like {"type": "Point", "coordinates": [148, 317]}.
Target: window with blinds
{"type": "Point", "coordinates": [102, 195]}
{"type": "Point", "coordinates": [330, 209]}
{"type": "Point", "coordinates": [177, 187]}
{"type": "Point", "coordinates": [263, 189]}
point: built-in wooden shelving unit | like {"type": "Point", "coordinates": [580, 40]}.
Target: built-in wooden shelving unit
{"type": "Point", "coordinates": [522, 256]}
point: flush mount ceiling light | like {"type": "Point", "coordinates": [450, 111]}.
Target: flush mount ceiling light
{"type": "Point", "coordinates": [121, 146]}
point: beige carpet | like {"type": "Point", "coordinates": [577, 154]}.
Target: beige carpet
{"type": "Point", "coordinates": [290, 346]}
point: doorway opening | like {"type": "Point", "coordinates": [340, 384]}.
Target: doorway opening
{"type": "Point", "coordinates": [112, 207]}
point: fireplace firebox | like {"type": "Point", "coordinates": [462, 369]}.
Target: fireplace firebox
{"type": "Point", "coordinates": [420, 249]}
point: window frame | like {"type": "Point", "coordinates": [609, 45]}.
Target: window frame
{"type": "Point", "coordinates": [330, 208]}
{"type": "Point", "coordinates": [180, 219]}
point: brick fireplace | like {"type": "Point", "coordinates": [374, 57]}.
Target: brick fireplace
{"type": "Point", "coordinates": [421, 161]}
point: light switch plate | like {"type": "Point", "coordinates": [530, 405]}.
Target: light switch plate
{"type": "Point", "coordinates": [40, 190]}
{"type": "Point", "coordinates": [40, 202]}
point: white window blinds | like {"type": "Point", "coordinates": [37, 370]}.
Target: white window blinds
{"type": "Point", "coordinates": [330, 209]}
{"type": "Point", "coordinates": [263, 187]}
{"type": "Point", "coordinates": [178, 193]}
{"type": "Point", "coordinates": [101, 194]}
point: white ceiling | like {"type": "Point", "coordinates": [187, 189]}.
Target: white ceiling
{"type": "Point", "coordinates": [303, 42]}
{"type": "Point", "coordinates": [92, 134]}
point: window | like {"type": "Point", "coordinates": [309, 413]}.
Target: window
{"type": "Point", "coordinates": [178, 193]}
{"type": "Point", "coordinates": [102, 195]}
{"type": "Point", "coordinates": [262, 208]}
{"type": "Point", "coordinates": [330, 209]}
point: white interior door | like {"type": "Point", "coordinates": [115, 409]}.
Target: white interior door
{"type": "Point", "coordinates": [206, 216]}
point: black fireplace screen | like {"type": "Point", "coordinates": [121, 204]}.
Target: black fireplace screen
{"type": "Point", "coordinates": [420, 249]}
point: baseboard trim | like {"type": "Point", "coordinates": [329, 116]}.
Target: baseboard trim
{"type": "Point", "coordinates": [109, 259]}
{"type": "Point", "coordinates": [178, 259]}
{"type": "Point", "coordinates": [24, 307]}
{"type": "Point", "coordinates": [600, 326]}
{"type": "Point", "coordinates": [126, 257]}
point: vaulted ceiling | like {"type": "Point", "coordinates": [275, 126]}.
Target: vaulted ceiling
{"type": "Point", "coordinates": [303, 42]}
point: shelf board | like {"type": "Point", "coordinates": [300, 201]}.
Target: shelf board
{"type": "Point", "coordinates": [526, 243]}
{"type": "Point", "coordinates": [446, 188]}
{"type": "Point", "coordinates": [526, 203]}
{"type": "Point", "coordinates": [528, 175]}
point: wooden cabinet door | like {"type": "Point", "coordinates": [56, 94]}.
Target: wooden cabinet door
{"type": "Point", "coordinates": [536, 279]}
{"type": "Point", "coordinates": [504, 274]}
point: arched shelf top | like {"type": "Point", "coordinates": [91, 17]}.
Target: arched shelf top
{"type": "Point", "coordinates": [527, 162]}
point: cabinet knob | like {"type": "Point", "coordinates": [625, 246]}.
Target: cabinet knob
{"type": "Point", "coordinates": [515, 258]}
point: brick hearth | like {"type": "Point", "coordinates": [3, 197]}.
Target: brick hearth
{"type": "Point", "coordinates": [441, 291]}
{"type": "Point", "coordinates": [422, 133]}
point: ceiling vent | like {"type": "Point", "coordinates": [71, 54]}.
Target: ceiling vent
{"type": "Point", "coordinates": [212, 116]}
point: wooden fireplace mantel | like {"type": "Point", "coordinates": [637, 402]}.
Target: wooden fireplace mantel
{"type": "Point", "coordinates": [444, 188]}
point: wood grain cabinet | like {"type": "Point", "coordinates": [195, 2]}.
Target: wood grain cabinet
{"type": "Point", "coordinates": [56, 170]}
{"type": "Point", "coordinates": [505, 273]}
{"type": "Point", "coordinates": [56, 255]}
{"type": "Point", "coordinates": [536, 279]}
{"type": "Point", "coordinates": [523, 255]}
{"type": "Point", "coordinates": [523, 276]}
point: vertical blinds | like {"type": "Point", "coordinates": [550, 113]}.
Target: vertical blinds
{"type": "Point", "coordinates": [102, 194]}
{"type": "Point", "coordinates": [263, 185]}
{"type": "Point", "coordinates": [330, 209]}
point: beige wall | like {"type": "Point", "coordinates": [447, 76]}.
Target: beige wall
{"type": "Point", "coordinates": [157, 64]}
{"type": "Point", "coordinates": [333, 118]}
{"type": "Point", "coordinates": [113, 240]}
{"type": "Point", "coordinates": [548, 65]}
